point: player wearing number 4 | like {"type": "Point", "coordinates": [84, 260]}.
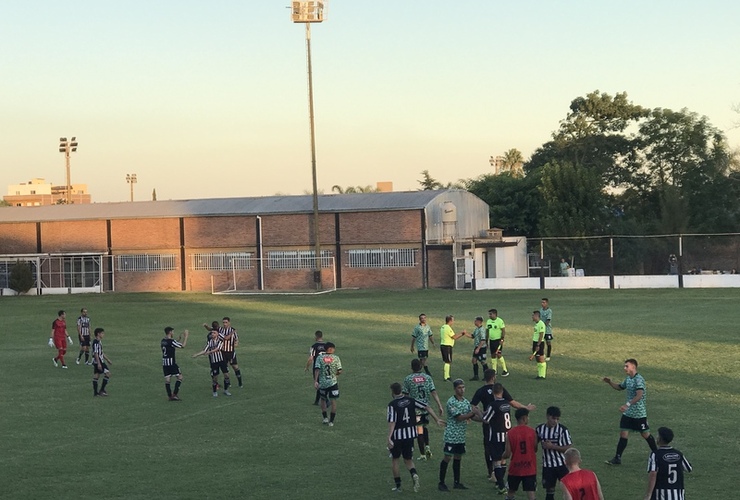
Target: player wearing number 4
{"type": "Point", "coordinates": [325, 372]}
{"type": "Point", "coordinates": [402, 431]}
{"type": "Point", "coordinates": [634, 412]}
{"type": "Point", "coordinates": [666, 466]}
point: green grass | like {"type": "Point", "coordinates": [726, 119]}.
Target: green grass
{"type": "Point", "coordinates": [267, 441]}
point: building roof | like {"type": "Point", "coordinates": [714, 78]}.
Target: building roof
{"type": "Point", "coordinates": [263, 205]}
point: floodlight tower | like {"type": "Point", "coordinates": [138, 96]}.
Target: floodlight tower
{"type": "Point", "coordinates": [68, 147]}
{"type": "Point", "coordinates": [131, 179]}
{"type": "Point", "coordinates": [307, 13]}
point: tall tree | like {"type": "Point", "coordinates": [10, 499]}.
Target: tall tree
{"type": "Point", "coordinates": [514, 201]}
{"type": "Point", "coordinates": [428, 183]}
{"type": "Point", "coordinates": [513, 162]}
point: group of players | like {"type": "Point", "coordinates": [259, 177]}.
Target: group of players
{"type": "Point", "coordinates": [410, 411]}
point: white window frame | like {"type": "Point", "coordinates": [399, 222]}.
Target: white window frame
{"type": "Point", "coordinates": [221, 261]}
{"type": "Point", "coordinates": [145, 263]}
{"type": "Point", "coordinates": [381, 257]}
{"type": "Point", "coordinates": [297, 259]}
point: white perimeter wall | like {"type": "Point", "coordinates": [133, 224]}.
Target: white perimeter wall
{"type": "Point", "coordinates": [584, 282]}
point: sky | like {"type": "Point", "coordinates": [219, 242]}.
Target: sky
{"type": "Point", "coordinates": [210, 99]}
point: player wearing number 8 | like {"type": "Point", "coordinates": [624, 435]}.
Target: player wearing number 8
{"type": "Point", "coordinates": [666, 466]}
{"type": "Point", "coordinates": [521, 449]}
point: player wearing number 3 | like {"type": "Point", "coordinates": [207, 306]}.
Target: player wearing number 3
{"type": "Point", "coordinates": [402, 432]}
{"type": "Point", "coordinates": [325, 371]}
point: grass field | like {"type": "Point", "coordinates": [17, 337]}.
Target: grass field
{"type": "Point", "coordinates": [267, 440]}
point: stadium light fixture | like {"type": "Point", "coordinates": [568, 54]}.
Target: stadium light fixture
{"type": "Point", "coordinates": [131, 179]}
{"type": "Point", "coordinates": [68, 147]}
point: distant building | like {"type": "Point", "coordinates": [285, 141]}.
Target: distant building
{"type": "Point", "coordinates": [37, 192]}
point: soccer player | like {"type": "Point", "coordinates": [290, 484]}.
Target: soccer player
{"type": "Point", "coordinates": [230, 340]}
{"type": "Point", "coordinates": [420, 386]}
{"type": "Point", "coordinates": [579, 484]}
{"type": "Point", "coordinates": [555, 440]}
{"type": "Point", "coordinates": [214, 326]}
{"type": "Point", "coordinates": [421, 337]}
{"type": "Point", "coordinates": [402, 431]}
{"type": "Point", "coordinates": [169, 365]}
{"type": "Point", "coordinates": [634, 411]}
{"type": "Point", "coordinates": [83, 335]}
{"type": "Point", "coordinates": [317, 348]}
{"type": "Point", "coordinates": [485, 396]}
{"type": "Point", "coordinates": [538, 346]}
{"type": "Point", "coordinates": [666, 466]}
{"type": "Point", "coordinates": [459, 411]}
{"type": "Point", "coordinates": [327, 368]}
{"type": "Point", "coordinates": [546, 316]}
{"type": "Point", "coordinates": [480, 347]}
{"type": "Point", "coordinates": [447, 342]}
{"type": "Point", "coordinates": [218, 363]}
{"type": "Point", "coordinates": [100, 363]}
{"type": "Point", "coordinates": [59, 338]}
{"type": "Point", "coordinates": [521, 448]}
{"type": "Point", "coordinates": [496, 329]}
{"type": "Point", "coordinates": [496, 424]}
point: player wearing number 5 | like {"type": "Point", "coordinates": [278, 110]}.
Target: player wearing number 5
{"type": "Point", "coordinates": [521, 449]}
{"type": "Point", "coordinates": [402, 431]}
{"type": "Point", "coordinates": [634, 411]}
{"type": "Point", "coordinates": [326, 369]}
{"type": "Point", "coordinates": [666, 466]}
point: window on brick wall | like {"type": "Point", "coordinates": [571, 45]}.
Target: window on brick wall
{"type": "Point", "coordinates": [382, 257]}
{"type": "Point", "coordinates": [220, 261]}
{"type": "Point", "coordinates": [297, 259]}
{"type": "Point", "coordinates": [145, 262]}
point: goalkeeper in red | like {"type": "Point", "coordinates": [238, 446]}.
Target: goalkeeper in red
{"type": "Point", "coordinates": [59, 338]}
{"type": "Point", "coordinates": [326, 368]}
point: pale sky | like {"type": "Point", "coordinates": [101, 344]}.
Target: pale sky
{"type": "Point", "coordinates": [209, 99]}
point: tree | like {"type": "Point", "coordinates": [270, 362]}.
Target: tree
{"type": "Point", "coordinates": [21, 277]}
{"type": "Point", "coordinates": [354, 189]}
{"type": "Point", "coordinates": [4, 203]}
{"type": "Point", "coordinates": [514, 201]}
{"type": "Point", "coordinates": [513, 162]}
{"type": "Point", "coordinates": [429, 183]}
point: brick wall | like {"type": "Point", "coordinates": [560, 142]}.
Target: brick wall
{"type": "Point", "coordinates": [18, 238]}
{"type": "Point", "coordinates": [441, 268]}
{"type": "Point", "coordinates": [74, 236]}
{"type": "Point", "coordinates": [144, 234]}
{"type": "Point", "coordinates": [380, 227]}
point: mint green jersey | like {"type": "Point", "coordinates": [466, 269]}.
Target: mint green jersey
{"type": "Point", "coordinates": [422, 334]}
{"type": "Point", "coordinates": [631, 385]}
{"type": "Point", "coordinates": [419, 386]}
{"type": "Point", "coordinates": [329, 367]}
{"type": "Point", "coordinates": [479, 334]}
{"type": "Point", "coordinates": [455, 429]}
{"type": "Point", "coordinates": [546, 317]}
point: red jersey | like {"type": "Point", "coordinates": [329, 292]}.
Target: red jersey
{"type": "Point", "coordinates": [582, 485]}
{"type": "Point", "coordinates": [523, 442]}
{"type": "Point", "coordinates": [60, 328]}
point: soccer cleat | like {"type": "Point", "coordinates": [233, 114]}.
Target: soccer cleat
{"type": "Point", "coordinates": [102, 393]}
{"type": "Point", "coordinates": [428, 452]}
{"type": "Point", "coordinates": [174, 398]}
{"type": "Point", "coordinates": [474, 378]}
{"type": "Point", "coordinates": [447, 379]}
{"type": "Point", "coordinates": [415, 477]}
{"type": "Point", "coordinates": [614, 461]}
{"type": "Point", "coordinates": [215, 394]}
{"type": "Point", "coordinates": [77, 361]}
{"type": "Point", "coordinates": [64, 366]}
{"type": "Point", "coordinates": [442, 487]}
{"type": "Point", "coordinates": [547, 358]}
{"type": "Point", "coordinates": [241, 386]}
{"type": "Point", "coordinates": [331, 424]}
{"type": "Point", "coordinates": [503, 490]}
{"type": "Point", "coordinates": [539, 378]}
{"type": "Point", "coordinates": [504, 374]}
{"type": "Point", "coordinates": [459, 486]}
{"type": "Point", "coordinates": [422, 458]}
{"type": "Point", "coordinates": [396, 489]}
{"type": "Point", "coordinates": [325, 421]}
{"type": "Point", "coordinates": [227, 393]}
{"type": "Point", "coordinates": [54, 360]}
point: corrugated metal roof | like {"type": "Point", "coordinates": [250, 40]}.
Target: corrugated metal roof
{"type": "Point", "coordinates": [264, 205]}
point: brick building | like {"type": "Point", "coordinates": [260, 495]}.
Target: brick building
{"type": "Point", "coordinates": [375, 240]}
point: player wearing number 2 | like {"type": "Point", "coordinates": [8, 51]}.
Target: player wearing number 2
{"type": "Point", "coordinates": [402, 431]}
{"type": "Point", "coordinates": [325, 371]}
{"type": "Point", "coordinates": [634, 411]}
{"type": "Point", "coordinates": [666, 466]}
{"type": "Point", "coordinates": [521, 448]}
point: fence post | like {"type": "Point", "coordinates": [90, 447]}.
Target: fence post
{"type": "Point", "coordinates": [611, 262]}
{"type": "Point", "coordinates": [542, 264]}
{"type": "Point", "coordinates": [680, 258]}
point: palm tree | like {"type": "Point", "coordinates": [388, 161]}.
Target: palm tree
{"type": "Point", "coordinates": [513, 161]}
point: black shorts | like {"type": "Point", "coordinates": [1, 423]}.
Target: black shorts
{"type": "Point", "coordinates": [103, 368]}
{"type": "Point", "coordinates": [230, 357]}
{"type": "Point", "coordinates": [496, 346]}
{"type": "Point", "coordinates": [539, 348]}
{"type": "Point", "coordinates": [84, 340]}
{"type": "Point", "coordinates": [529, 483]}
{"type": "Point", "coordinates": [634, 424]}
{"type": "Point", "coordinates": [446, 351]}
{"type": "Point", "coordinates": [454, 449]}
{"type": "Point", "coordinates": [221, 367]}
{"type": "Point", "coordinates": [171, 370]}
{"type": "Point", "coordinates": [423, 354]}
{"type": "Point", "coordinates": [330, 392]}
{"type": "Point", "coordinates": [551, 476]}
{"type": "Point", "coordinates": [494, 450]}
{"type": "Point", "coordinates": [548, 336]}
{"type": "Point", "coordinates": [481, 356]}
{"type": "Point", "coordinates": [403, 448]}
{"type": "Point", "coordinates": [422, 419]}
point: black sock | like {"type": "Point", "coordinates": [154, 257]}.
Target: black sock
{"type": "Point", "coordinates": [549, 496]}
{"type": "Point", "coordinates": [442, 471]}
{"type": "Point", "coordinates": [420, 439]}
{"type": "Point", "coordinates": [79, 356]}
{"type": "Point", "coordinates": [323, 413]}
{"type": "Point", "coordinates": [651, 442]}
{"type": "Point", "coordinates": [238, 374]}
{"type": "Point", "coordinates": [95, 387]}
{"type": "Point", "coordinates": [214, 385]}
{"type": "Point", "coordinates": [169, 389]}
{"type": "Point", "coordinates": [332, 416]}
{"type": "Point", "coordinates": [227, 384]}
{"type": "Point", "coordinates": [456, 469]}
{"type": "Point", "coordinates": [105, 382]}
{"type": "Point", "coordinates": [87, 356]}
{"type": "Point", "coordinates": [489, 465]}
{"type": "Point", "coordinates": [499, 472]}
{"type": "Point", "coordinates": [621, 446]}
{"type": "Point", "coordinates": [475, 370]}
{"type": "Point", "coordinates": [412, 471]}
{"type": "Point", "coordinates": [426, 369]}
{"type": "Point", "coordinates": [549, 350]}
{"type": "Point", "coordinates": [177, 387]}
{"type": "Point", "coordinates": [398, 482]}
{"type": "Point", "coordinates": [426, 436]}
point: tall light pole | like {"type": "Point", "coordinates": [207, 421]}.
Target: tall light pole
{"type": "Point", "coordinates": [131, 179]}
{"type": "Point", "coordinates": [307, 13]}
{"type": "Point", "coordinates": [68, 147]}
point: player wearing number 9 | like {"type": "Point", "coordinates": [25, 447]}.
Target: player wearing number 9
{"type": "Point", "coordinates": [521, 448]}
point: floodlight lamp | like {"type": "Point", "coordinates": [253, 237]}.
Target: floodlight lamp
{"type": "Point", "coordinates": [62, 150]}
{"type": "Point", "coordinates": [62, 139]}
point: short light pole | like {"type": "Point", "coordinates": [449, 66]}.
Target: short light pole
{"type": "Point", "coordinates": [68, 147]}
{"type": "Point", "coordinates": [131, 179]}
{"type": "Point", "coordinates": [311, 12]}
